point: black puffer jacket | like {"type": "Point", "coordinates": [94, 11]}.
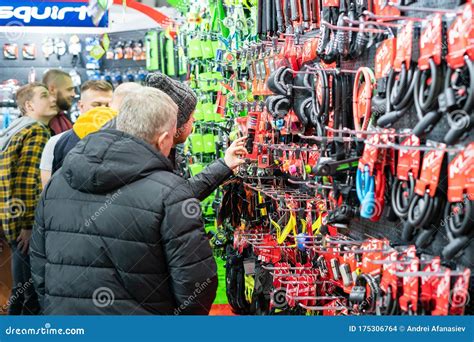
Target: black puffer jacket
{"type": "Point", "coordinates": [118, 233]}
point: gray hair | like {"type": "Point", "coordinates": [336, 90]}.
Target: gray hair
{"type": "Point", "coordinates": [121, 91]}
{"type": "Point", "coordinates": [146, 113]}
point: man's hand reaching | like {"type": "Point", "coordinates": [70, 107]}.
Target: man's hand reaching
{"type": "Point", "coordinates": [234, 154]}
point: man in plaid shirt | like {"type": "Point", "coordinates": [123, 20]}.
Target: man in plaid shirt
{"type": "Point", "coordinates": [21, 146]}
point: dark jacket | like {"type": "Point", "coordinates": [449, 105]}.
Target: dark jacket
{"type": "Point", "coordinates": [117, 232]}
{"type": "Point", "coordinates": [202, 185]}
{"type": "Point", "coordinates": [65, 144]}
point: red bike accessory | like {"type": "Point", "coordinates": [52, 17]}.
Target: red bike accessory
{"type": "Point", "coordinates": [458, 38]}
{"type": "Point", "coordinates": [442, 294]}
{"type": "Point", "coordinates": [407, 171]}
{"type": "Point", "coordinates": [429, 284]}
{"type": "Point", "coordinates": [469, 12]}
{"type": "Point", "coordinates": [404, 47]}
{"type": "Point", "coordinates": [459, 295]}
{"type": "Point", "coordinates": [430, 172]}
{"type": "Point", "coordinates": [384, 58]}
{"type": "Point", "coordinates": [409, 299]}
{"type": "Point", "coordinates": [409, 159]}
{"type": "Point", "coordinates": [431, 42]}
{"type": "Point", "coordinates": [424, 203]}
{"type": "Point", "coordinates": [364, 86]}
{"type": "Point", "coordinates": [461, 176]}
{"type": "Point", "coordinates": [380, 8]}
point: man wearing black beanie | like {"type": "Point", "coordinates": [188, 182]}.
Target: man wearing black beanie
{"type": "Point", "coordinates": [204, 183]}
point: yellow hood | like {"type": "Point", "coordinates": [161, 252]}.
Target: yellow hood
{"type": "Point", "coordinates": [93, 120]}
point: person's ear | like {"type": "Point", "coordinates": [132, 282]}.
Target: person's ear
{"type": "Point", "coordinates": [29, 106]}
{"type": "Point", "coordinates": [80, 106]}
{"type": "Point", "coordinates": [52, 89]}
{"type": "Point", "coordinates": [161, 139]}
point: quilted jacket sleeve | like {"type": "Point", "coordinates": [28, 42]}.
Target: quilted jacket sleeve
{"type": "Point", "coordinates": [193, 271]}
{"type": "Point", "coordinates": [209, 179]}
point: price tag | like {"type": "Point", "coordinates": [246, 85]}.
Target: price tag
{"type": "Point", "coordinates": [461, 175]}
{"type": "Point", "coordinates": [431, 42]}
{"type": "Point", "coordinates": [370, 155]}
{"type": "Point", "coordinates": [380, 8]}
{"type": "Point", "coordinates": [410, 288]}
{"type": "Point", "coordinates": [430, 172]}
{"type": "Point", "coordinates": [384, 58]}
{"type": "Point", "coordinates": [458, 38]}
{"type": "Point", "coordinates": [468, 13]}
{"type": "Point", "coordinates": [330, 3]}
{"type": "Point", "coordinates": [404, 47]}
{"type": "Point", "coordinates": [408, 160]}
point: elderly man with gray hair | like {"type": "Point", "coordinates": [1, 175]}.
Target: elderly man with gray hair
{"type": "Point", "coordinates": [117, 232]}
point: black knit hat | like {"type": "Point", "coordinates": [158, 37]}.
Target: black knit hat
{"type": "Point", "coordinates": [180, 93]}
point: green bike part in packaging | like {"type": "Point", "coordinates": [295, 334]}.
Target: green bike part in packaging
{"type": "Point", "coordinates": [215, 46]}
{"type": "Point", "coordinates": [209, 144]}
{"type": "Point", "coordinates": [161, 52]}
{"type": "Point", "coordinates": [194, 48]}
{"type": "Point", "coordinates": [197, 143]}
{"type": "Point", "coordinates": [204, 81]}
{"type": "Point", "coordinates": [198, 112]}
{"type": "Point", "coordinates": [171, 57]}
{"type": "Point", "coordinates": [207, 49]}
{"type": "Point", "coordinates": [216, 79]}
{"type": "Point", "coordinates": [208, 111]}
{"type": "Point", "coordinates": [152, 52]}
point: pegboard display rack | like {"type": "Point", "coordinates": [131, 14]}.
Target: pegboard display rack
{"type": "Point", "coordinates": [286, 84]}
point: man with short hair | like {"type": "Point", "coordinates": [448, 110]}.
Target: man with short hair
{"type": "Point", "coordinates": [21, 146]}
{"type": "Point", "coordinates": [121, 91]}
{"type": "Point", "coordinates": [94, 94]}
{"type": "Point", "coordinates": [147, 248]}
{"type": "Point", "coordinates": [60, 85]}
